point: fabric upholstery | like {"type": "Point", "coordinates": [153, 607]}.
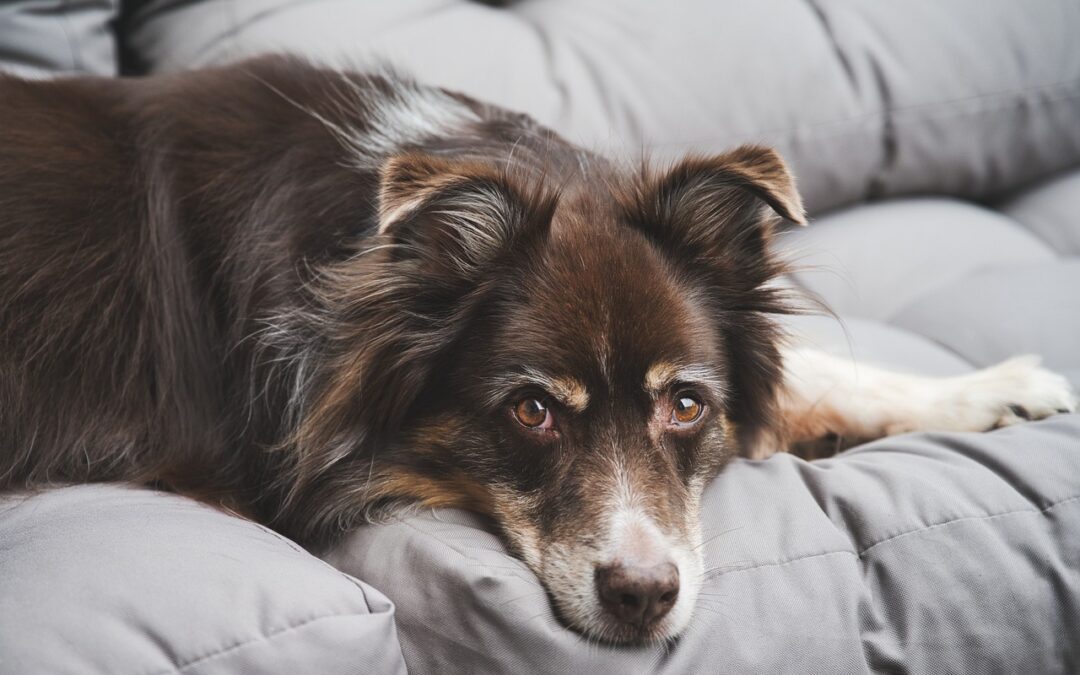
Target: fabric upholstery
{"type": "Point", "coordinates": [107, 579]}
{"type": "Point", "coordinates": [1052, 211]}
{"type": "Point", "coordinates": [950, 553]}
{"type": "Point", "coordinates": [41, 38]}
{"type": "Point", "coordinates": [968, 98]}
{"type": "Point", "coordinates": [964, 280]}
{"type": "Point", "coordinates": [928, 553]}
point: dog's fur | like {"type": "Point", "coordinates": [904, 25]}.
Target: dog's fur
{"type": "Point", "coordinates": [309, 296]}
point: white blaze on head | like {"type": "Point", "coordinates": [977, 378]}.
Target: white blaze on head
{"type": "Point", "coordinates": [635, 539]}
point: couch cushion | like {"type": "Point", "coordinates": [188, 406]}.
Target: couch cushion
{"type": "Point", "coordinates": [108, 579]}
{"type": "Point", "coordinates": [1052, 211]}
{"type": "Point", "coordinates": [870, 341]}
{"type": "Point", "coordinates": [979, 95]}
{"type": "Point", "coordinates": [966, 282]}
{"type": "Point", "coordinates": [969, 97]}
{"type": "Point", "coordinates": [922, 553]}
{"type": "Point", "coordinates": [872, 261]}
{"type": "Point", "coordinates": [1005, 311]}
{"type": "Point", "coordinates": [46, 37]}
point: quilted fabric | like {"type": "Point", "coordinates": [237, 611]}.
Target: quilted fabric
{"type": "Point", "coordinates": [950, 553]}
{"type": "Point", "coordinates": [107, 579]}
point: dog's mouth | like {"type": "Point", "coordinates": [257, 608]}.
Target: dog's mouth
{"type": "Point", "coordinates": [634, 584]}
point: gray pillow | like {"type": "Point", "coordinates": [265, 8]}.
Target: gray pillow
{"type": "Point", "coordinates": [108, 579]}
{"type": "Point", "coordinates": [967, 97]}
{"type": "Point", "coordinates": [949, 553]}
{"type": "Point", "coordinates": [47, 37]}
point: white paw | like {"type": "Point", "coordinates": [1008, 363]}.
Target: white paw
{"type": "Point", "coordinates": [1011, 392]}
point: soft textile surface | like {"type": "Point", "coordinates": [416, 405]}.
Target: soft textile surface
{"type": "Point", "coordinates": [934, 284]}
{"type": "Point", "coordinates": [967, 97]}
{"type": "Point", "coordinates": [955, 553]}
{"type": "Point", "coordinates": [48, 37]}
{"type": "Point", "coordinates": [929, 554]}
{"type": "Point", "coordinates": [107, 579]}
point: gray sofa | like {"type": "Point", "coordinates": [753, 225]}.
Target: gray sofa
{"type": "Point", "coordinates": [938, 147]}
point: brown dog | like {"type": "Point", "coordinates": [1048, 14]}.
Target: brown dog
{"type": "Point", "coordinates": [310, 296]}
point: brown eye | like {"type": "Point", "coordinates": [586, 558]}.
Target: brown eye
{"type": "Point", "coordinates": [532, 412]}
{"type": "Point", "coordinates": [687, 409]}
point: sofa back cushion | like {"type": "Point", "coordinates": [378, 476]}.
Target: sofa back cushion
{"type": "Point", "coordinates": [40, 38]}
{"type": "Point", "coordinates": [970, 98]}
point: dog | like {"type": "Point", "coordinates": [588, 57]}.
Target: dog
{"type": "Point", "coordinates": [312, 297]}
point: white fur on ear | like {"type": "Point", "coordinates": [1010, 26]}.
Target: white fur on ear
{"type": "Point", "coordinates": [468, 210]}
{"type": "Point", "coordinates": [714, 200]}
{"type": "Point", "coordinates": [457, 215]}
{"type": "Point", "coordinates": [406, 182]}
{"type": "Point", "coordinates": [390, 217]}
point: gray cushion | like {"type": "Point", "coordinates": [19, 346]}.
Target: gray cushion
{"type": "Point", "coordinates": [969, 283]}
{"type": "Point", "coordinates": [999, 313]}
{"type": "Point", "coordinates": [952, 553]}
{"type": "Point", "coordinates": [869, 341]}
{"type": "Point", "coordinates": [107, 579]}
{"type": "Point", "coordinates": [872, 261]}
{"type": "Point", "coordinates": [48, 37]}
{"type": "Point", "coordinates": [1051, 210]}
{"type": "Point", "coordinates": [969, 97]}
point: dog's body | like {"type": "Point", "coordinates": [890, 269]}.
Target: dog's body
{"type": "Point", "coordinates": [306, 296]}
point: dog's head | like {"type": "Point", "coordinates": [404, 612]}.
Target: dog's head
{"type": "Point", "coordinates": [576, 366]}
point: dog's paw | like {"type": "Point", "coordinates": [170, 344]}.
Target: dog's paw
{"type": "Point", "coordinates": [1014, 391]}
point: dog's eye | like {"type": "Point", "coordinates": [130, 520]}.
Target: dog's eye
{"type": "Point", "coordinates": [533, 413]}
{"type": "Point", "coordinates": [686, 410]}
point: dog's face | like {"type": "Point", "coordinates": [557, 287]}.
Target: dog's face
{"type": "Point", "coordinates": [576, 367]}
{"type": "Point", "coordinates": [590, 403]}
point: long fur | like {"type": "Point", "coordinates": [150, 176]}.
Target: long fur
{"type": "Point", "coordinates": [312, 296]}
{"type": "Point", "coordinates": [195, 292]}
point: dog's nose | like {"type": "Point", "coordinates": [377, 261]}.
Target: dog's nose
{"type": "Point", "coordinates": [638, 595]}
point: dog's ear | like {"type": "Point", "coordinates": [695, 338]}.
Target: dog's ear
{"type": "Point", "coordinates": [731, 182]}
{"type": "Point", "coordinates": [391, 312]}
{"type": "Point", "coordinates": [454, 218]}
{"type": "Point", "coordinates": [719, 211]}
{"type": "Point", "coordinates": [714, 217]}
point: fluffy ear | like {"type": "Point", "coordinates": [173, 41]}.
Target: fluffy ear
{"type": "Point", "coordinates": [714, 216]}
{"type": "Point", "coordinates": [734, 180]}
{"type": "Point", "coordinates": [454, 218]}
{"type": "Point", "coordinates": [720, 211]}
{"type": "Point", "coordinates": [389, 314]}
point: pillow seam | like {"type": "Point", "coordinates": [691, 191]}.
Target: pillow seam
{"type": "Point", "coordinates": [183, 665]}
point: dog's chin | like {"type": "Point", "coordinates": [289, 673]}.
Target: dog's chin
{"type": "Point", "coordinates": [606, 629]}
{"type": "Point", "coordinates": [575, 602]}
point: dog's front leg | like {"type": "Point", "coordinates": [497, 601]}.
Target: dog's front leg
{"type": "Point", "coordinates": [827, 403]}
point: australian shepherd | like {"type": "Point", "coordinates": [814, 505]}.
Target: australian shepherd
{"type": "Point", "coordinates": [311, 297]}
